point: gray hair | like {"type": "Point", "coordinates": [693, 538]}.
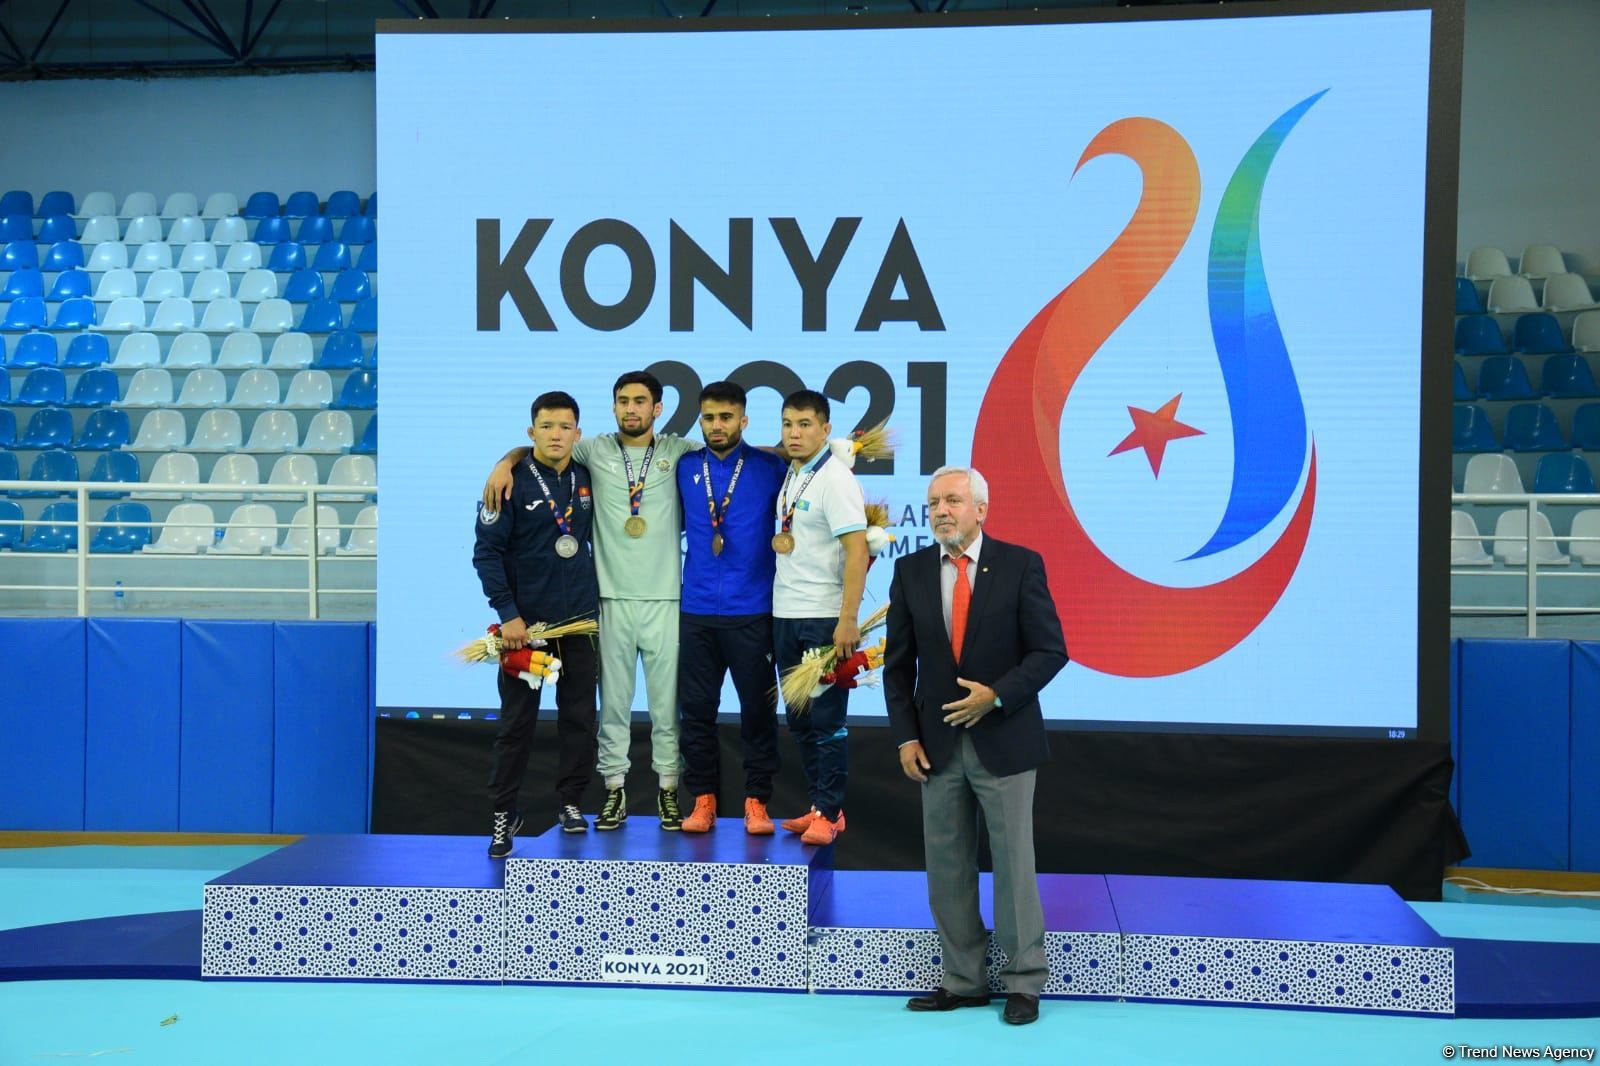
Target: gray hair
{"type": "Point", "coordinates": [980, 484]}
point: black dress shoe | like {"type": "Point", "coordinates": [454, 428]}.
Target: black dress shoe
{"type": "Point", "coordinates": [1021, 1009]}
{"type": "Point", "coordinates": [943, 999]}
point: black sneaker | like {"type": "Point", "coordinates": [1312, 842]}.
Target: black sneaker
{"type": "Point", "coordinates": [507, 824]}
{"type": "Point", "coordinates": [614, 812]}
{"type": "Point", "coordinates": [571, 820]}
{"type": "Point", "coordinates": [667, 810]}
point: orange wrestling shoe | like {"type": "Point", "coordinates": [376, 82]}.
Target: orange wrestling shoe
{"type": "Point", "coordinates": [756, 820]}
{"type": "Point", "coordinates": [703, 818]}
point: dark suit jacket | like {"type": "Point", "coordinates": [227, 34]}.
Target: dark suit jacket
{"type": "Point", "coordinates": [1013, 644]}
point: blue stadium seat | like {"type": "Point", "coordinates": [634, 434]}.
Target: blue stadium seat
{"type": "Point", "coordinates": [261, 205]}
{"type": "Point", "coordinates": [74, 315]}
{"type": "Point", "coordinates": [364, 319]}
{"type": "Point", "coordinates": [371, 210]}
{"type": "Point", "coordinates": [1467, 300]}
{"type": "Point", "coordinates": [360, 392]}
{"type": "Point", "coordinates": [25, 281]}
{"type": "Point", "coordinates": [18, 254]}
{"type": "Point", "coordinates": [342, 204]}
{"type": "Point", "coordinates": [1586, 428]}
{"type": "Point", "coordinates": [105, 430]}
{"type": "Point", "coordinates": [1470, 430]}
{"type": "Point", "coordinates": [272, 230]}
{"type": "Point", "coordinates": [34, 349]}
{"type": "Point", "coordinates": [57, 202]}
{"type": "Point", "coordinates": [8, 468]}
{"type": "Point", "coordinates": [70, 283]}
{"type": "Point", "coordinates": [49, 428]}
{"type": "Point", "coordinates": [95, 388]}
{"type": "Point", "coordinates": [87, 349]}
{"type": "Point", "coordinates": [314, 230]}
{"type": "Point", "coordinates": [332, 256]}
{"type": "Point", "coordinates": [8, 421]}
{"type": "Point", "coordinates": [368, 444]}
{"type": "Point", "coordinates": [1563, 472]}
{"type": "Point", "coordinates": [122, 538]}
{"type": "Point", "coordinates": [10, 536]}
{"type": "Point", "coordinates": [54, 465]}
{"type": "Point", "coordinates": [1567, 376]}
{"type": "Point", "coordinates": [1463, 393]}
{"type": "Point", "coordinates": [114, 467]}
{"type": "Point", "coordinates": [56, 228]}
{"type": "Point", "coordinates": [303, 286]}
{"type": "Point", "coordinates": [302, 205]}
{"type": "Point", "coordinates": [351, 286]}
{"type": "Point", "coordinates": [1539, 334]}
{"type": "Point", "coordinates": [26, 313]}
{"type": "Point", "coordinates": [1503, 377]}
{"type": "Point", "coordinates": [56, 530]}
{"type": "Point", "coordinates": [342, 349]}
{"type": "Point", "coordinates": [321, 316]}
{"type": "Point", "coordinates": [372, 356]}
{"type": "Point", "coordinates": [369, 258]}
{"type": "Point", "coordinates": [1531, 427]}
{"type": "Point", "coordinates": [16, 228]}
{"type": "Point", "coordinates": [17, 202]}
{"type": "Point", "coordinates": [358, 229]}
{"type": "Point", "coordinates": [1479, 335]}
{"type": "Point", "coordinates": [287, 257]}
{"type": "Point", "coordinates": [64, 255]}
{"type": "Point", "coordinates": [43, 387]}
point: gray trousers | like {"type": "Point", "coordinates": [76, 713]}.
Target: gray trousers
{"type": "Point", "coordinates": [951, 800]}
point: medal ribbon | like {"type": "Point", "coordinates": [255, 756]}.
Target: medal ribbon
{"type": "Point", "coordinates": [562, 520]}
{"type": "Point", "coordinates": [636, 488]}
{"type": "Point", "coordinates": [719, 514]}
{"type": "Point", "coordinates": [784, 505]}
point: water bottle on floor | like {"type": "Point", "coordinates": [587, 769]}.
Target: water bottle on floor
{"type": "Point", "coordinates": [119, 600]}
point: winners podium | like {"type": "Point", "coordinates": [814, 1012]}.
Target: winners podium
{"type": "Point", "coordinates": [726, 910]}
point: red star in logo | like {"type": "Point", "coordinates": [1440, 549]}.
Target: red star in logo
{"type": "Point", "coordinates": [1153, 429]}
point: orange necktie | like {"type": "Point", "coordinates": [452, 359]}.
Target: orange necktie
{"type": "Point", "coordinates": [960, 599]}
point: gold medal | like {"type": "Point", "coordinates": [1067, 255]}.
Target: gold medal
{"type": "Point", "coordinates": [634, 526]}
{"type": "Point", "coordinates": [783, 543]}
{"type": "Point", "coordinates": [716, 543]}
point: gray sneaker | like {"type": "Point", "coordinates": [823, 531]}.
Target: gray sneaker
{"type": "Point", "coordinates": [507, 824]}
{"type": "Point", "coordinates": [571, 820]}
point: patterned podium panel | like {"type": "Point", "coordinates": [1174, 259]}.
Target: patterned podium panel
{"type": "Point", "coordinates": [642, 907]}
{"type": "Point", "coordinates": [359, 908]}
{"type": "Point", "coordinates": [873, 933]}
{"type": "Point", "coordinates": [1280, 943]}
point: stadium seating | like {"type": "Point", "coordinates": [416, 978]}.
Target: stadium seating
{"type": "Point", "coordinates": [274, 431]}
{"type": "Point", "coordinates": [220, 205]}
{"type": "Point", "coordinates": [174, 468]}
{"type": "Point", "coordinates": [329, 431]}
{"type": "Point", "coordinates": [189, 350]}
{"type": "Point", "coordinates": [257, 388]}
{"type": "Point", "coordinates": [1463, 392]}
{"type": "Point", "coordinates": [251, 530]}
{"type": "Point", "coordinates": [342, 204]}
{"type": "Point", "coordinates": [1567, 376]}
{"type": "Point", "coordinates": [43, 387]}
{"type": "Point", "coordinates": [29, 281]}
{"type": "Point", "coordinates": [297, 538]}
{"type": "Point", "coordinates": [94, 388]}
{"type": "Point", "coordinates": [291, 470]}
{"type": "Point", "coordinates": [97, 203]}
{"type": "Point", "coordinates": [309, 388]}
{"type": "Point", "coordinates": [70, 283]}
{"type": "Point", "coordinates": [108, 255]}
{"type": "Point", "coordinates": [1567, 292]}
{"type": "Point", "coordinates": [156, 255]}
{"type": "Point", "coordinates": [161, 430]}
{"type": "Point", "coordinates": [64, 255]}
{"type": "Point", "coordinates": [1511, 540]}
{"type": "Point", "coordinates": [353, 470]}
{"type": "Point", "coordinates": [18, 255]}
{"type": "Point", "coordinates": [364, 537]}
{"type": "Point", "coordinates": [56, 202]}
{"type": "Point", "coordinates": [321, 316]}
{"type": "Point", "coordinates": [150, 387]}
{"type": "Point", "coordinates": [56, 530]}
{"type": "Point", "coordinates": [138, 349]}
{"type": "Point", "coordinates": [314, 230]}
{"type": "Point", "coordinates": [272, 316]}
{"type": "Point", "coordinates": [180, 205]}
{"type": "Point", "coordinates": [1563, 472]}
{"type": "Point", "coordinates": [56, 465]}
{"type": "Point", "coordinates": [198, 255]}
{"type": "Point", "coordinates": [258, 284]}
{"type": "Point", "coordinates": [1586, 427]}
{"type": "Point", "coordinates": [209, 284]}
{"type": "Point", "coordinates": [236, 469]}
{"type": "Point", "coordinates": [74, 315]}
{"type": "Point", "coordinates": [304, 286]}
{"type": "Point", "coordinates": [352, 286]}
{"type": "Point", "coordinates": [1539, 334]}
{"type": "Point", "coordinates": [360, 392]}
{"type": "Point", "coordinates": [368, 259]}
{"type": "Point", "coordinates": [332, 257]}
{"type": "Point", "coordinates": [10, 513]}
{"type": "Point", "coordinates": [1503, 377]}
{"type": "Point", "coordinates": [24, 314]}
{"type": "Point", "coordinates": [242, 349]}
{"type": "Point", "coordinates": [17, 202]}
{"type": "Point", "coordinates": [103, 430]}
{"type": "Point", "coordinates": [1466, 552]}
{"type": "Point", "coordinates": [1492, 472]}
{"type": "Point", "coordinates": [1511, 295]}
{"type": "Point", "coordinates": [35, 350]}
{"type": "Point", "coordinates": [341, 350]}
{"type": "Point", "coordinates": [218, 430]}
{"type": "Point", "coordinates": [190, 528]}
{"type": "Point", "coordinates": [229, 231]}
{"type": "Point", "coordinates": [240, 256]}
{"type": "Point", "coordinates": [138, 203]}
{"type": "Point", "coordinates": [261, 205]}
{"type": "Point", "coordinates": [290, 351]}
{"type": "Point", "coordinates": [87, 350]}
{"type": "Point", "coordinates": [204, 388]}
{"type": "Point", "coordinates": [368, 444]}
{"type": "Point", "coordinates": [121, 531]}
{"type": "Point", "coordinates": [1586, 523]}
{"type": "Point", "coordinates": [8, 419]}
{"type": "Point", "coordinates": [272, 230]}
{"type": "Point", "coordinates": [364, 318]}
{"type": "Point", "coordinates": [287, 257]}
{"type": "Point", "coordinates": [114, 467]}
{"type": "Point", "coordinates": [358, 229]}
{"type": "Point", "coordinates": [1471, 431]}
{"type": "Point", "coordinates": [301, 204]}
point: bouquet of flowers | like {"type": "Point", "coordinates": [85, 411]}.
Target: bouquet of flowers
{"type": "Point", "coordinates": [537, 668]}
{"type": "Point", "coordinates": [807, 679]}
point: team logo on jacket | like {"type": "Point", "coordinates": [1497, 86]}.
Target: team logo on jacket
{"type": "Point", "coordinates": [1116, 622]}
{"type": "Point", "coordinates": [488, 517]}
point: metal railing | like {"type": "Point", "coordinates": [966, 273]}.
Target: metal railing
{"type": "Point", "coordinates": [1530, 571]}
{"type": "Point", "coordinates": [185, 492]}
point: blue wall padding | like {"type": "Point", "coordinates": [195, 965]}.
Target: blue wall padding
{"type": "Point", "coordinates": [1515, 710]}
{"type": "Point", "coordinates": [225, 769]}
{"type": "Point", "coordinates": [134, 713]}
{"type": "Point", "coordinates": [1586, 755]}
{"type": "Point", "coordinates": [1455, 723]}
{"type": "Point", "coordinates": [41, 723]}
{"type": "Point", "coordinates": [320, 726]}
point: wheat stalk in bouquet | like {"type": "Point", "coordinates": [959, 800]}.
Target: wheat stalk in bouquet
{"type": "Point", "coordinates": [800, 680]}
{"type": "Point", "coordinates": [489, 647]}
{"type": "Point", "coordinates": [875, 443]}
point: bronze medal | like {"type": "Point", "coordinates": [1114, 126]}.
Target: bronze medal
{"type": "Point", "coordinates": [566, 545]}
{"type": "Point", "coordinates": [634, 526]}
{"type": "Point", "coordinates": [783, 543]}
{"type": "Point", "coordinates": [716, 543]}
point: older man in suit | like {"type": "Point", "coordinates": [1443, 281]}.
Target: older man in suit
{"type": "Point", "coordinates": [973, 637]}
